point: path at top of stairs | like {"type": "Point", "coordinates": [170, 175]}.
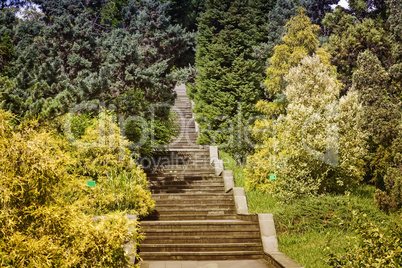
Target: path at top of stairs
{"type": "Point", "coordinates": [195, 219]}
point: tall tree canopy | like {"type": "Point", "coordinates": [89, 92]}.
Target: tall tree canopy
{"type": "Point", "coordinates": [382, 123]}
{"type": "Point", "coordinates": [80, 57]}
{"type": "Point", "coordinates": [228, 82]}
{"type": "Point", "coordinates": [317, 9]}
{"type": "Point", "coordinates": [352, 36]}
{"type": "Point", "coordinates": [299, 41]}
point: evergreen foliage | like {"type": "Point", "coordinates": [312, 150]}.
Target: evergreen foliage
{"type": "Point", "coordinates": [300, 40]}
{"type": "Point", "coordinates": [278, 17]}
{"type": "Point", "coordinates": [81, 58]}
{"type": "Point", "coordinates": [317, 147]}
{"type": "Point", "coordinates": [186, 12]}
{"type": "Point", "coordinates": [316, 9]}
{"type": "Point", "coordinates": [228, 82]}
{"type": "Point", "coordinates": [395, 21]}
{"type": "Point", "coordinates": [7, 52]}
{"type": "Point", "coordinates": [351, 37]}
{"type": "Point", "coordinates": [4, 4]}
{"type": "Point", "coordinates": [382, 123]}
{"type": "Point", "coordinates": [368, 8]}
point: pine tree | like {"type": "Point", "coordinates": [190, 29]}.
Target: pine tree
{"type": "Point", "coordinates": [278, 17]}
{"type": "Point", "coordinates": [186, 12]}
{"type": "Point", "coordinates": [382, 121]}
{"type": "Point", "coordinates": [395, 21]}
{"type": "Point", "coordinates": [228, 77]}
{"type": "Point", "coordinates": [80, 59]}
{"type": "Point", "coordinates": [351, 37]}
{"type": "Point", "coordinates": [316, 9]}
{"type": "Point", "coordinates": [4, 4]}
{"type": "Point", "coordinates": [7, 52]}
{"type": "Point", "coordinates": [368, 8]}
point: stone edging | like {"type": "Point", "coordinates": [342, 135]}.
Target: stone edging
{"type": "Point", "coordinates": [266, 221]}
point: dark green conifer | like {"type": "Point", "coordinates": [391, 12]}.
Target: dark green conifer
{"type": "Point", "coordinates": [7, 52]}
{"type": "Point", "coordinates": [80, 58]}
{"type": "Point", "coordinates": [278, 17]}
{"type": "Point", "coordinates": [351, 37]}
{"type": "Point", "coordinates": [395, 22]}
{"type": "Point", "coordinates": [382, 123]}
{"type": "Point", "coordinates": [316, 9]}
{"type": "Point", "coordinates": [229, 78]}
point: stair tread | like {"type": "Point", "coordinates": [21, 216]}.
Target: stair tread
{"type": "Point", "coordinates": [203, 245]}
{"type": "Point", "coordinates": [204, 253]}
{"type": "Point", "coordinates": [203, 222]}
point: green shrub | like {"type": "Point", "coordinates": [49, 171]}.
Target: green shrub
{"type": "Point", "coordinates": [79, 124]}
{"type": "Point", "coordinates": [372, 246]}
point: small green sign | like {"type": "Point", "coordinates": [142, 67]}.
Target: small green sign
{"type": "Point", "coordinates": [272, 177]}
{"type": "Point", "coordinates": [91, 183]}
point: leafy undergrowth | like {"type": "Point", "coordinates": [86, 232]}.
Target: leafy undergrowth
{"type": "Point", "coordinates": [46, 208]}
{"type": "Point", "coordinates": [322, 231]}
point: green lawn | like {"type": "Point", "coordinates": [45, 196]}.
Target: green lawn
{"type": "Point", "coordinates": [307, 226]}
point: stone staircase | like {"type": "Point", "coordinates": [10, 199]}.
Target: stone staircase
{"type": "Point", "coordinates": [194, 219]}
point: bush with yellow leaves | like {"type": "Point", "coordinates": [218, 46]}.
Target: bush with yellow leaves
{"type": "Point", "coordinates": [102, 155]}
{"type": "Point", "coordinates": [41, 223]}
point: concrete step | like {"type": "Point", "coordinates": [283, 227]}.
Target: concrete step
{"type": "Point", "coordinates": [183, 140]}
{"type": "Point", "coordinates": [216, 225]}
{"type": "Point", "coordinates": [197, 209]}
{"type": "Point", "coordinates": [188, 131]}
{"type": "Point", "coordinates": [185, 217]}
{"type": "Point", "coordinates": [183, 181]}
{"type": "Point", "coordinates": [186, 137]}
{"type": "Point", "coordinates": [167, 169]}
{"type": "Point", "coordinates": [187, 134]}
{"type": "Point", "coordinates": [179, 191]}
{"type": "Point", "coordinates": [199, 256]}
{"type": "Point", "coordinates": [200, 148]}
{"type": "Point", "coordinates": [186, 152]}
{"type": "Point", "coordinates": [184, 173]}
{"type": "Point", "coordinates": [186, 183]}
{"type": "Point", "coordinates": [175, 215]}
{"type": "Point", "coordinates": [201, 247]}
{"type": "Point", "coordinates": [184, 205]}
{"type": "Point", "coordinates": [173, 187]}
{"type": "Point", "coordinates": [194, 233]}
{"type": "Point", "coordinates": [162, 180]}
{"type": "Point", "coordinates": [178, 147]}
{"type": "Point", "coordinates": [188, 115]}
{"type": "Point", "coordinates": [190, 202]}
{"type": "Point", "coordinates": [218, 238]}
{"type": "Point", "coordinates": [191, 196]}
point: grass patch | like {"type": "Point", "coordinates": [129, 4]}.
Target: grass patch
{"type": "Point", "coordinates": [307, 226]}
{"type": "Point", "coordinates": [307, 248]}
